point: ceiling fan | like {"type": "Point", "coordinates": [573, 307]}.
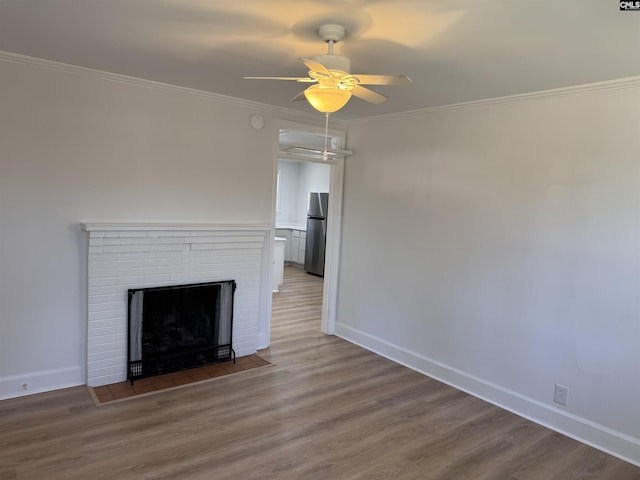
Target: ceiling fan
{"type": "Point", "coordinates": [333, 84]}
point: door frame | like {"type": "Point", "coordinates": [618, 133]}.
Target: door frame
{"type": "Point", "coordinates": [334, 222]}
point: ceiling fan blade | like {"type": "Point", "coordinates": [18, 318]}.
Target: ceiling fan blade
{"type": "Point", "coordinates": [315, 66]}
{"type": "Point", "coordinates": [368, 95]}
{"type": "Point", "coordinates": [299, 97]}
{"type": "Point", "coordinates": [297, 79]}
{"type": "Point", "coordinates": [383, 79]}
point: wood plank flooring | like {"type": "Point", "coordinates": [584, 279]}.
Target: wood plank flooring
{"type": "Point", "coordinates": [326, 409]}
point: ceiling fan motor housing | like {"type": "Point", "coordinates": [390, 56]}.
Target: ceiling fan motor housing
{"type": "Point", "coordinates": [334, 62]}
{"type": "Point", "coordinates": [331, 32]}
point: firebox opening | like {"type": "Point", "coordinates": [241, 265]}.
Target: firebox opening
{"type": "Point", "coordinates": [178, 327]}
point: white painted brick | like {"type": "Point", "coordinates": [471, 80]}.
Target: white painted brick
{"type": "Point", "coordinates": [207, 246]}
{"type": "Point", "coordinates": [112, 370]}
{"type": "Point", "coordinates": [168, 233]}
{"type": "Point", "coordinates": [107, 314]}
{"type": "Point", "coordinates": [116, 265]}
{"type": "Point", "coordinates": [129, 241]}
{"type": "Point", "coordinates": [154, 270]}
{"type": "Point", "coordinates": [173, 261]}
{"type": "Point", "coordinates": [102, 299]}
{"type": "Point", "coordinates": [118, 241]}
{"type": "Point", "coordinates": [165, 258]}
{"type": "Point", "coordinates": [131, 282]}
{"type": "Point", "coordinates": [113, 363]}
{"type": "Point", "coordinates": [202, 239]}
{"type": "Point", "coordinates": [103, 257]}
{"type": "Point", "coordinates": [159, 279]}
{"type": "Point", "coordinates": [169, 247]}
{"type": "Point", "coordinates": [129, 255]}
{"type": "Point", "coordinates": [102, 343]}
{"type": "Point", "coordinates": [121, 331]}
{"type": "Point", "coordinates": [101, 323]}
{"type": "Point", "coordinates": [202, 268]}
{"type": "Point", "coordinates": [101, 307]}
{"type": "Point", "coordinates": [108, 329]}
{"type": "Point", "coordinates": [103, 290]}
{"type": "Point", "coordinates": [129, 248]}
{"type": "Point", "coordinates": [234, 239]}
{"type": "Point", "coordinates": [108, 354]}
{"type": "Point", "coordinates": [164, 255]}
{"type": "Point", "coordinates": [97, 274]}
{"type": "Point", "coordinates": [222, 246]}
{"type": "Point", "coordinates": [94, 346]}
{"type": "Point", "coordinates": [101, 332]}
{"type": "Point", "coordinates": [104, 380]}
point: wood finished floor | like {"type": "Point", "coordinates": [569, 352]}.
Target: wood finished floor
{"type": "Point", "coordinates": [326, 409]}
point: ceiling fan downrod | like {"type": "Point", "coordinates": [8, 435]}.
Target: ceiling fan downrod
{"type": "Point", "coordinates": [330, 45]}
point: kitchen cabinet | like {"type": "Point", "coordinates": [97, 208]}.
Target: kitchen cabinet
{"type": "Point", "coordinates": [295, 243]}
{"type": "Point", "coordinates": [286, 234]}
{"type": "Point", "coordinates": [294, 250]}
{"type": "Point", "coordinates": [301, 247]}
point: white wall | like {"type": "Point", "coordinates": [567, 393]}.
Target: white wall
{"type": "Point", "coordinates": [314, 177]}
{"type": "Point", "coordinates": [76, 146]}
{"type": "Point", "coordinates": [506, 237]}
{"type": "Point", "coordinates": [287, 214]}
{"type": "Point", "coordinates": [297, 179]}
{"type": "Point", "coordinates": [497, 246]}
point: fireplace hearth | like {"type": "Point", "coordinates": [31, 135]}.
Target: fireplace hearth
{"type": "Point", "coordinates": [172, 328]}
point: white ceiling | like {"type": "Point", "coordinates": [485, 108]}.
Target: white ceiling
{"type": "Point", "coordinates": [453, 50]}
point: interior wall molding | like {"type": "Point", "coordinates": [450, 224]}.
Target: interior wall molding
{"type": "Point", "coordinates": [575, 90]}
{"type": "Point", "coordinates": [39, 382]}
{"type": "Point", "coordinates": [113, 227]}
{"type": "Point", "coordinates": [141, 82]}
{"type": "Point", "coordinates": [586, 431]}
{"type": "Point", "coordinates": [583, 89]}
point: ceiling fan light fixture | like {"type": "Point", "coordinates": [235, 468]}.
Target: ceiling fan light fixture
{"type": "Point", "coordinates": [327, 99]}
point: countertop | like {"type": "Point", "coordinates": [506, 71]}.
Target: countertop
{"type": "Point", "coordinates": [302, 228]}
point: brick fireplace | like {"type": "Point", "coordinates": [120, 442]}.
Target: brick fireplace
{"type": "Point", "coordinates": [124, 256]}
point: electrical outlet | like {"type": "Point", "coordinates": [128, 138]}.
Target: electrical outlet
{"type": "Point", "coordinates": [561, 395]}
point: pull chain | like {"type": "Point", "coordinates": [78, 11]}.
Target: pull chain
{"type": "Point", "coordinates": [325, 154]}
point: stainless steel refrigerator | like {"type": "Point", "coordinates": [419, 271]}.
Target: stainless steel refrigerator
{"type": "Point", "coordinates": [316, 233]}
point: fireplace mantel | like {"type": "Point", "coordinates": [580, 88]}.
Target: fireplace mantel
{"type": "Point", "coordinates": [197, 227]}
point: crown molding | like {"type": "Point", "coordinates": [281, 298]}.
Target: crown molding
{"type": "Point", "coordinates": [141, 82]}
{"type": "Point", "coordinates": [575, 90]}
{"type": "Point", "coordinates": [584, 89]}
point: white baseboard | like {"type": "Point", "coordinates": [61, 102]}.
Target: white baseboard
{"type": "Point", "coordinates": [598, 436]}
{"type": "Point", "coordinates": [38, 382]}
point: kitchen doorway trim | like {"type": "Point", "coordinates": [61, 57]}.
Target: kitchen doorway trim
{"type": "Point", "coordinates": [334, 222]}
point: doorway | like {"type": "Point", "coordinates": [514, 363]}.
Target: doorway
{"type": "Point", "coordinates": [299, 149]}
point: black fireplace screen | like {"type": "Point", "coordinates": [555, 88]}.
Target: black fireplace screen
{"type": "Point", "coordinates": [179, 327]}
